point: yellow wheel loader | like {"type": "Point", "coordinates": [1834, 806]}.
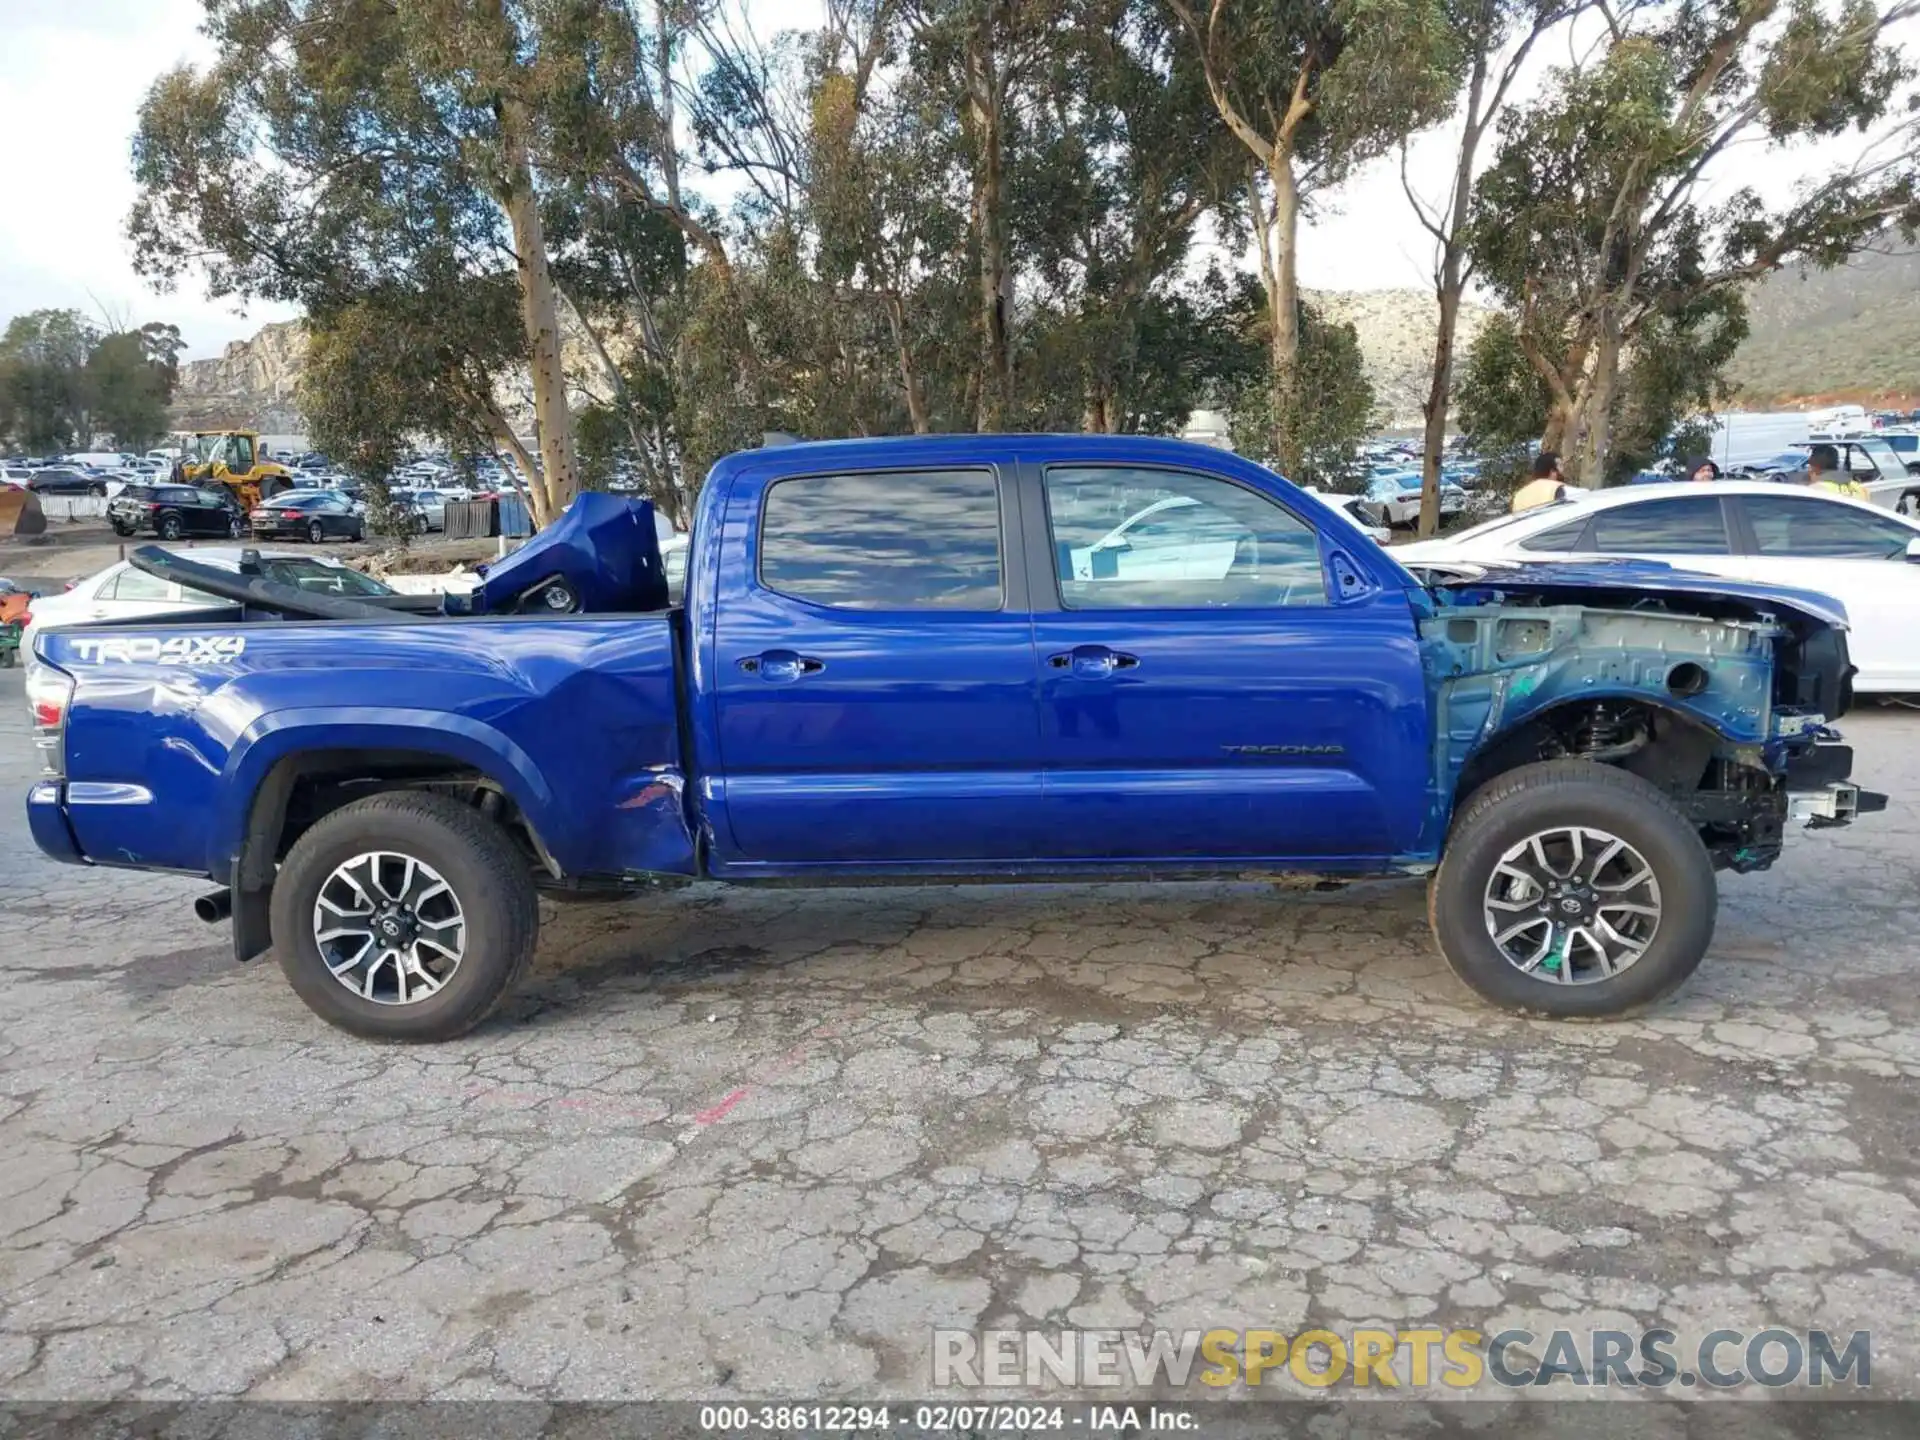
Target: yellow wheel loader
{"type": "Point", "coordinates": [233, 458]}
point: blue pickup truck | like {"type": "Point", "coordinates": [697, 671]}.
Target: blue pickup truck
{"type": "Point", "coordinates": [1002, 658]}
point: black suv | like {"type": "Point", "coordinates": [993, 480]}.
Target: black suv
{"type": "Point", "coordinates": [172, 511]}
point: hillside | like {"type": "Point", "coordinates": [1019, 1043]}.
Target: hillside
{"type": "Point", "coordinates": [1396, 342]}
{"type": "Point", "coordinates": [1846, 334]}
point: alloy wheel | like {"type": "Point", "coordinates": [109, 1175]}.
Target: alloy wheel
{"type": "Point", "coordinates": [389, 927]}
{"type": "Point", "coordinates": [1572, 905]}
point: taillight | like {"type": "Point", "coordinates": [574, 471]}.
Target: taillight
{"type": "Point", "coordinates": [49, 693]}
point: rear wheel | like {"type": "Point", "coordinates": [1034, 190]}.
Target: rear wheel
{"type": "Point", "coordinates": [316, 532]}
{"type": "Point", "coordinates": [405, 916]}
{"type": "Point", "coordinates": [1574, 890]}
{"type": "Point", "coordinates": [237, 527]}
{"type": "Point", "coordinates": [171, 527]}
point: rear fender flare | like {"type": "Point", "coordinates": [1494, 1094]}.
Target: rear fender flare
{"type": "Point", "coordinates": [281, 734]}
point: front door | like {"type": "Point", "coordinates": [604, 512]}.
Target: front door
{"type": "Point", "coordinates": [1203, 693]}
{"type": "Point", "coordinates": [1854, 553]}
{"type": "Point", "coordinates": [873, 672]}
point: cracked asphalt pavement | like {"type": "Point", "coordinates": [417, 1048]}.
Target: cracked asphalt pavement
{"type": "Point", "coordinates": [761, 1143]}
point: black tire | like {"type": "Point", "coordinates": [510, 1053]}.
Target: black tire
{"type": "Point", "coordinates": [1534, 798]}
{"type": "Point", "coordinates": [99, 492]}
{"type": "Point", "coordinates": [170, 527]}
{"type": "Point", "coordinates": [316, 532]}
{"type": "Point", "coordinates": [420, 525]}
{"type": "Point", "coordinates": [120, 528]}
{"type": "Point", "coordinates": [237, 527]}
{"type": "Point", "coordinates": [478, 861]}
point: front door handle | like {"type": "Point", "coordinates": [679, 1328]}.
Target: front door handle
{"type": "Point", "coordinates": [781, 665]}
{"type": "Point", "coordinates": [1092, 662]}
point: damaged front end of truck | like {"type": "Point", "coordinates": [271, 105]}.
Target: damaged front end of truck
{"type": "Point", "coordinates": [1719, 692]}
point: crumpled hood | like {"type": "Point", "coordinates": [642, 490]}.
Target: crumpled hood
{"type": "Point", "coordinates": [1616, 582]}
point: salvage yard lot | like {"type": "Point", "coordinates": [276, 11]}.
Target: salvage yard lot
{"type": "Point", "coordinates": [760, 1143]}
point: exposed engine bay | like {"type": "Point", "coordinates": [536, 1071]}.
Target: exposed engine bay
{"type": "Point", "coordinates": [1722, 701]}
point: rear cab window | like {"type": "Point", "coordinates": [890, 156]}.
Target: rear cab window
{"type": "Point", "coordinates": [894, 540]}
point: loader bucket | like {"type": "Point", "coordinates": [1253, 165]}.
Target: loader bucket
{"type": "Point", "coordinates": [20, 514]}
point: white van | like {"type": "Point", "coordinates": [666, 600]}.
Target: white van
{"type": "Point", "coordinates": [103, 459]}
{"type": "Point", "coordinates": [1839, 422]}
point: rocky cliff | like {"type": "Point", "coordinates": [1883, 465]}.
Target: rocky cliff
{"type": "Point", "coordinates": [251, 385]}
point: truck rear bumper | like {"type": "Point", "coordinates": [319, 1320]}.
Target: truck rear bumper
{"type": "Point", "coordinates": [47, 821]}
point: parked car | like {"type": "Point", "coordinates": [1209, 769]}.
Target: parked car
{"type": "Point", "coordinates": [1393, 498]}
{"type": "Point", "coordinates": [888, 665]}
{"type": "Point", "coordinates": [428, 508]}
{"type": "Point", "coordinates": [175, 511]}
{"type": "Point", "coordinates": [317, 514]}
{"type": "Point", "coordinates": [125, 595]}
{"type": "Point", "coordinates": [66, 480]}
{"type": "Point", "coordinates": [1354, 507]}
{"type": "Point", "coordinates": [1889, 479]}
{"type": "Point", "coordinates": [1862, 555]}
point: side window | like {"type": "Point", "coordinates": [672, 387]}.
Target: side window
{"type": "Point", "coordinates": [132, 584]}
{"type": "Point", "coordinates": [242, 457]}
{"type": "Point", "coordinates": [1128, 539]}
{"type": "Point", "coordinates": [920, 540]}
{"type": "Point", "coordinates": [1690, 526]}
{"type": "Point", "coordinates": [1560, 539]}
{"type": "Point", "coordinates": [1788, 525]}
{"type": "Point", "coordinates": [213, 498]}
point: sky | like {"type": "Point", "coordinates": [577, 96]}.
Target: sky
{"type": "Point", "coordinates": [77, 69]}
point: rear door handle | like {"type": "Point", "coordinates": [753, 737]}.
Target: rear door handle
{"type": "Point", "coordinates": [1092, 662]}
{"type": "Point", "coordinates": [781, 665]}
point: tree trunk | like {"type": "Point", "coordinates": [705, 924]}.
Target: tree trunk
{"type": "Point", "coordinates": [1439, 392]}
{"type": "Point", "coordinates": [1452, 284]}
{"type": "Point", "coordinates": [539, 313]}
{"type": "Point", "coordinates": [909, 377]}
{"type": "Point", "coordinates": [985, 112]}
{"type": "Point", "coordinates": [1280, 275]}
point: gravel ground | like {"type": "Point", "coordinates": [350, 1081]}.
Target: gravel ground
{"type": "Point", "coordinates": [762, 1143]}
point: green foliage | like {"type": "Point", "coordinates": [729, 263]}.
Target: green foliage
{"type": "Point", "coordinates": [1600, 224]}
{"type": "Point", "coordinates": [63, 383]}
{"type": "Point", "coordinates": [1501, 402]}
{"type": "Point", "coordinates": [1334, 414]}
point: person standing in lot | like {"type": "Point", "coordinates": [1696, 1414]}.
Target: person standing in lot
{"type": "Point", "coordinates": [1548, 483]}
{"type": "Point", "coordinates": [1823, 473]}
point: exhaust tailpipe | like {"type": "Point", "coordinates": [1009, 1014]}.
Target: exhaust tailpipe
{"type": "Point", "coordinates": [215, 907]}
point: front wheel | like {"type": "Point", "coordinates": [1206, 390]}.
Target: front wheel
{"type": "Point", "coordinates": [405, 916]}
{"type": "Point", "coordinates": [1574, 890]}
{"type": "Point", "coordinates": [237, 528]}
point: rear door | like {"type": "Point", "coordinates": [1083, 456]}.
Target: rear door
{"type": "Point", "coordinates": [872, 670]}
{"type": "Point", "coordinates": [1228, 701]}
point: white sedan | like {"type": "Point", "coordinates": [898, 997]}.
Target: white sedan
{"type": "Point", "coordinates": [123, 594]}
{"type": "Point", "coordinates": [1865, 557]}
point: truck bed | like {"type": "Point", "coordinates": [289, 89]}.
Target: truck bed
{"type": "Point", "coordinates": [175, 724]}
